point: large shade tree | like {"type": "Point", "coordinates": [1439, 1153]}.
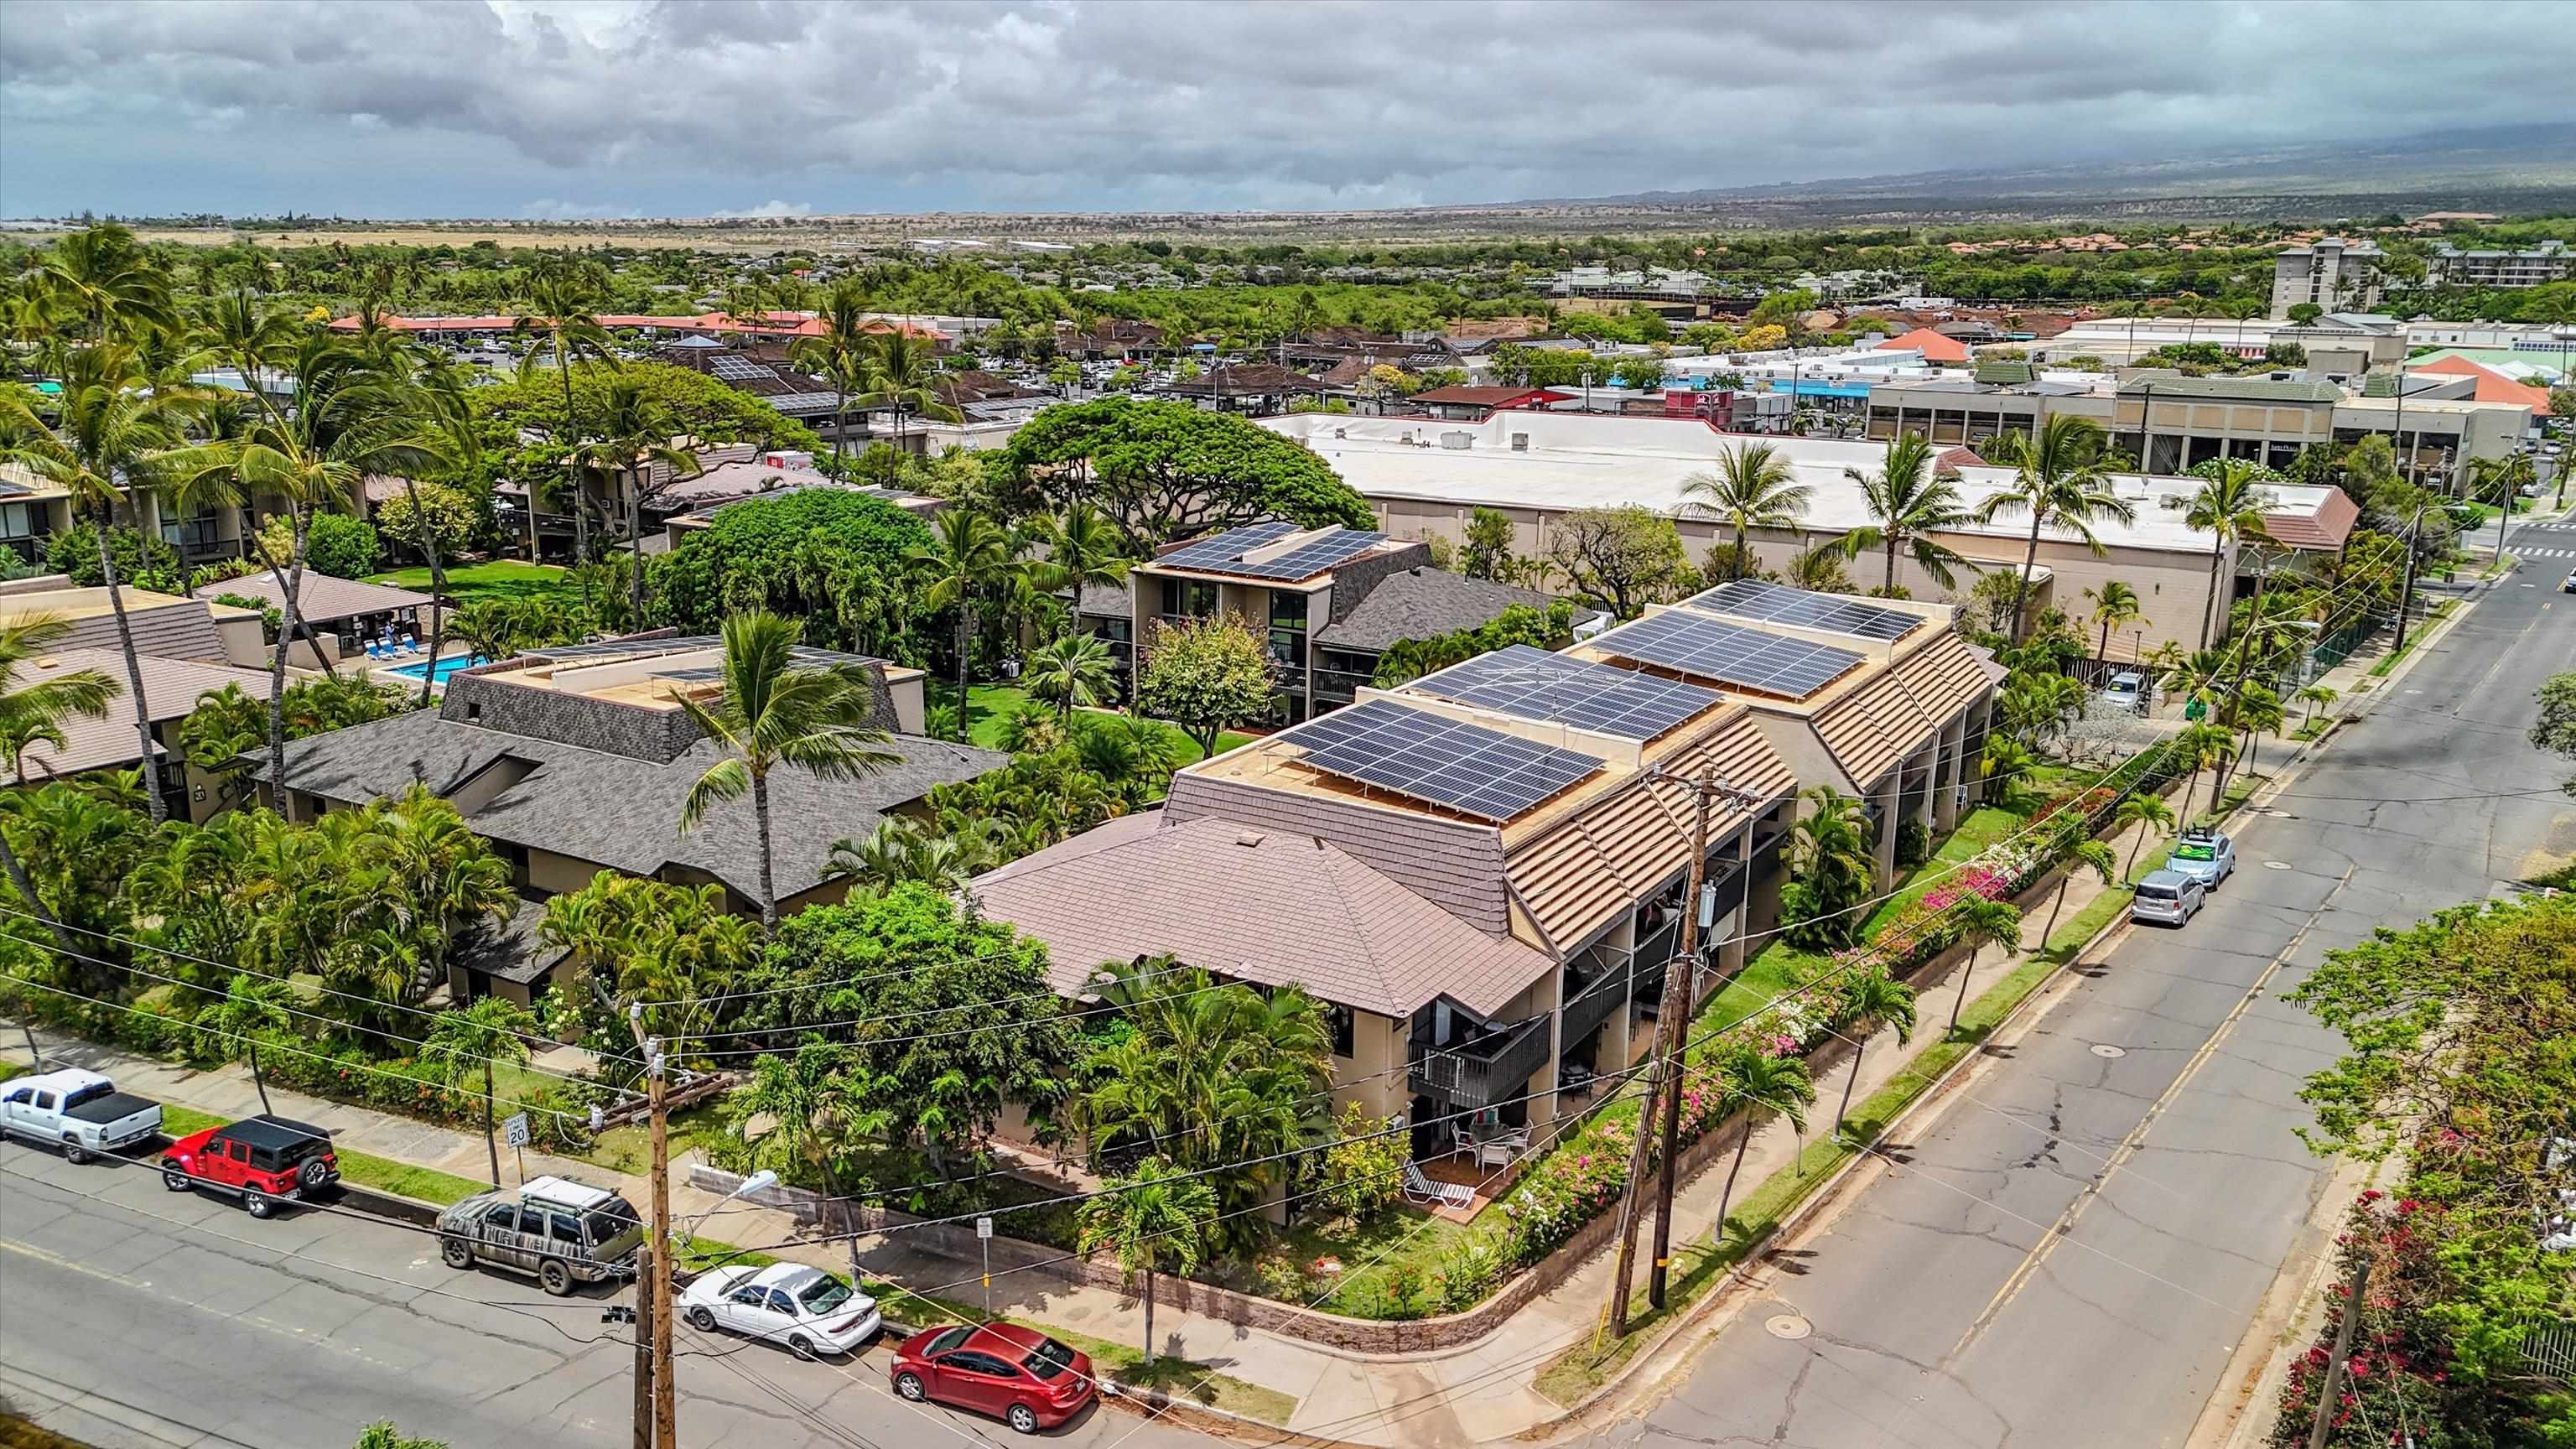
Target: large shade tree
{"type": "Point", "coordinates": [1166, 470]}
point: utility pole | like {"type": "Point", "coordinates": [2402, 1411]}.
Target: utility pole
{"type": "Point", "coordinates": [654, 1265]}
{"type": "Point", "coordinates": [1677, 999]}
{"type": "Point", "coordinates": [2406, 592]}
{"type": "Point", "coordinates": [2353, 1290]}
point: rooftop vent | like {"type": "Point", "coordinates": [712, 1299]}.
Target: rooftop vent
{"type": "Point", "coordinates": [1520, 442]}
{"type": "Point", "coordinates": [1250, 837]}
{"type": "Point", "coordinates": [1457, 440]}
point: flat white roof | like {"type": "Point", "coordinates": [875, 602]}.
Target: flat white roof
{"type": "Point", "coordinates": [1579, 460]}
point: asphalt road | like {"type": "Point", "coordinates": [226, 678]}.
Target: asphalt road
{"type": "Point", "coordinates": [136, 1318]}
{"type": "Point", "coordinates": [2069, 1256]}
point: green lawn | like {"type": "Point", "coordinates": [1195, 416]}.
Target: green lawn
{"type": "Point", "coordinates": [500, 578]}
{"type": "Point", "coordinates": [991, 702]}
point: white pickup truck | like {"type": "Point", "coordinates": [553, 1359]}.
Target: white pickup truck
{"type": "Point", "coordinates": [81, 1111]}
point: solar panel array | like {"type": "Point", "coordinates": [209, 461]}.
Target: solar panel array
{"type": "Point", "coordinates": [1465, 767]}
{"type": "Point", "coordinates": [616, 648]}
{"type": "Point", "coordinates": [1535, 684]}
{"type": "Point", "coordinates": [1756, 599]}
{"type": "Point", "coordinates": [799, 657]}
{"type": "Point", "coordinates": [740, 369]}
{"type": "Point", "coordinates": [806, 402]}
{"type": "Point", "coordinates": [1224, 553]}
{"type": "Point", "coordinates": [1694, 643]}
{"type": "Point", "coordinates": [1225, 550]}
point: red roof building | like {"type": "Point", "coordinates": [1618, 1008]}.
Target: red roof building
{"type": "Point", "coordinates": [1933, 346]}
{"type": "Point", "coordinates": [2493, 386]}
{"type": "Point", "coordinates": [1475, 404]}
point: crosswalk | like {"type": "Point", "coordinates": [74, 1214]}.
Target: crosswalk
{"type": "Point", "coordinates": [2544, 540]}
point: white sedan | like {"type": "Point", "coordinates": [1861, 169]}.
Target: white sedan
{"type": "Point", "coordinates": [807, 1309]}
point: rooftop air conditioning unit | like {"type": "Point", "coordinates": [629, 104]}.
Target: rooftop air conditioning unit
{"type": "Point", "coordinates": [1407, 439]}
{"type": "Point", "coordinates": [1520, 442]}
{"type": "Point", "coordinates": [1341, 432]}
{"type": "Point", "coordinates": [2173, 502]}
{"type": "Point", "coordinates": [1458, 440]}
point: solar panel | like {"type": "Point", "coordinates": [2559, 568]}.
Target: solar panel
{"type": "Point", "coordinates": [617, 648]}
{"type": "Point", "coordinates": [809, 402]}
{"type": "Point", "coordinates": [1694, 643]}
{"type": "Point", "coordinates": [1309, 559]}
{"type": "Point", "coordinates": [1431, 757]}
{"type": "Point", "coordinates": [740, 369]}
{"type": "Point", "coordinates": [1225, 551]}
{"type": "Point", "coordinates": [1756, 599]}
{"type": "Point", "coordinates": [1535, 684]}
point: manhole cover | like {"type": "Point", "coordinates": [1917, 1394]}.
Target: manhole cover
{"type": "Point", "coordinates": [2105, 1049]}
{"type": "Point", "coordinates": [2276, 865]}
{"type": "Point", "coordinates": [1788, 1325]}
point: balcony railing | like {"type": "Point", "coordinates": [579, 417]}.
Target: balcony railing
{"type": "Point", "coordinates": [1485, 1071]}
{"type": "Point", "coordinates": [1594, 1002]}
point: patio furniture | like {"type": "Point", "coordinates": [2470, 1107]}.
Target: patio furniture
{"type": "Point", "coordinates": [1423, 1192]}
{"type": "Point", "coordinates": [1495, 1154]}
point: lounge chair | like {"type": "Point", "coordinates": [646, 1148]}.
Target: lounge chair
{"type": "Point", "coordinates": [1422, 1191]}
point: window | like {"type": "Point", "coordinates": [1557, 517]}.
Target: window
{"type": "Point", "coordinates": [983, 1363]}
{"type": "Point", "coordinates": [502, 1217]}
{"type": "Point", "coordinates": [1287, 610]}
{"type": "Point", "coordinates": [1342, 1022]}
{"type": "Point", "coordinates": [1048, 1360]}
{"type": "Point", "coordinates": [752, 1297]}
{"type": "Point", "coordinates": [21, 1096]}
{"type": "Point", "coordinates": [567, 1228]}
{"type": "Point", "coordinates": [1189, 598]}
{"type": "Point", "coordinates": [823, 1295]}
{"type": "Point", "coordinates": [779, 1302]}
{"type": "Point", "coordinates": [236, 1152]}
{"type": "Point", "coordinates": [18, 520]}
{"type": "Point", "coordinates": [948, 1338]}
{"type": "Point", "coordinates": [45, 1101]}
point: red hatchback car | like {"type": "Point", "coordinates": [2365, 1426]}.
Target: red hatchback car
{"type": "Point", "coordinates": [1014, 1373]}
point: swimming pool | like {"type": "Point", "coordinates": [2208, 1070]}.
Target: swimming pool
{"type": "Point", "coordinates": [439, 673]}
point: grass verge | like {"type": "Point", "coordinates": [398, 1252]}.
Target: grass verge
{"type": "Point", "coordinates": [1699, 1265]}
{"type": "Point", "coordinates": [2414, 637]}
{"type": "Point", "coordinates": [500, 578]}
{"type": "Point", "coordinates": [992, 702]}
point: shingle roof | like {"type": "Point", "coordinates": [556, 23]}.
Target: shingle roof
{"type": "Point", "coordinates": [163, 625]}
{"type": "Point", "coordinates": [323, 599]}
{"type": "Point", "coordinates": [170, 691]}
{"type": "Point", "coordinates": [1424, 603]}
{"type": "Point", "coordinates": [620, 811]}
{"type": "Point", "coordinates": [1621, 848]}
{"type": "Point", "coordinates": [1253, 903]}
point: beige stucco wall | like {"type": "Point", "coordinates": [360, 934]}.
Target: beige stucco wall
{"type": "Point", "coordinates": [559, 874]}
{"type": "Point", "coordinates": [1373, 1074]}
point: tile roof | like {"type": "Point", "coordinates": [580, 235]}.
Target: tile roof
{"type": "Point", "coordinates": [1933, 346]}
{"type": "Point", "coordinates": [2493, 386]}
{"type": "Point", "coordinates": [2325, 529]}
{"type": "Point", "coordinates": [620, 811]}
{"type": "Point", "coordinates": [170, 691]}
{"type": "Point", "coordinates": [1256, 904]}
{"type": "Point", "coordinates": [323, 599]}
{"type": "Point", "coordinates": [1424, 603]}
{"type": "Point", "coordinates": [1621, 848]}
{"type": "Point", "coordinates": [1890, 713]}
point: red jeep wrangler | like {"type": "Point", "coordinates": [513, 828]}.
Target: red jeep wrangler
{"type": "Point", "coordinates": [263, 1160]}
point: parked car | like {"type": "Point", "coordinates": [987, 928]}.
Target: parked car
{"type": "Point", "coordinates": [2167, 898]}
{"type": "Point", "coordinates": [807, 1309]}
{"type": "Point", "coordinates": [2205, 853]}
{"type": "Point", "coordinates": [264, 1160]}
{"type": "Point", "coordinates": [81, 1110]}
{"type": "Point", "coordinates": [2125, 692]}
{"type": "Point", "coordinates": [1018, 1374]}
{"type": "Point", "coordinates": [564, 1232]}
{"type": "Point", "coordinates": [2569, 587]}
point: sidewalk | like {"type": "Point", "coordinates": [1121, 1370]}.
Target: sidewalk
{"type": "Point", "coordinates": [1470, 1395]}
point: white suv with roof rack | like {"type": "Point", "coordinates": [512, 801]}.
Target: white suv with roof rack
{"type": "Point", "coordinates": [562, 1231]}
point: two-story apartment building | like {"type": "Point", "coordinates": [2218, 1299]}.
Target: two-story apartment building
{"type": "Point", "coordinates": [575, 759]}
{"type": "Point", "coordinates": [1483, 872]}
{"type": "Point", "coordinates": [1331, 600]}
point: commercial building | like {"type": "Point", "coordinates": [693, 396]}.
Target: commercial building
{"type": "Point", "coordinates": [577, 759]}
{"type": "Point", "coordinates": [2452, 266]}
{"type": "Point", "coordinates": [2334, 273]}
{"type": "Point", "coordinates": [1331, 600]}
{"type": "Point", "coordinates": [1484, 872]}
{"type": "Point", "coordinates": [1537, 467]}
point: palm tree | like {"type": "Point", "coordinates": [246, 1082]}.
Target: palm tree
{"type": "Point", "coordinates": [1152, 1221]}
{"type": "Point", "coordinates": [774, 712]}
{"type": "Point", "coordinates": [967, 554]}
{"type": "Point", "coordinates": [1911, 501]}
{"type": "Point", "coordinates": [2092, 855]}
{"type": "Point", "coordinates": [251, 1005]}
{"type": "Point", "coordinates": [1753, 487]}
{"type": "Point", "coordinates": [633, 437]}
{"type": "Point", "coordinates": [805, 1102]}
{"type": "Point", "coordinates": [461, 1039]}
{"type": "Point", "coordinates": [102, 278]}
{"type": "Point", "coordinates": [1831, 859]}
{"type": "Point", "coordinates": [2253, 709]}
{"type": "Point", "coordinates": [35, 712]}
{"type": "Point", "coordinates": [2315, 697]}
{"type": "Point", "coordinates": [563, 333]}
{"type": "Point", "coordinates": [442, 391]}
{"type": "Point", "coordinates": [2204, 743]}
{"type": "Point", "coordinates": [1981, 923]}
{"type": "Point", "coordinates": [840, 356]}
{"type": "Point", "coordinates": [2003, 762]}
{"type": "Point", "coordinates": [1819, 568]}
{"type": "Point", "coordinates": [449, 880]}
{"type": "Point", "coordinates": [2115, 607]}
{"type": "Point", "coordinates": [1760, 1079]}
{"type": "Point", "coordinates": [1084, 550]}
{"type": "Point", "coordinates": [2059, 481]}
{"type": "Point", "coordinates": [2230, 506]}
{"type": "Point", "coordinates": [1071, 672]}
{"type": "Point", "coordinates": [1868, 1001]}
{"type": "Point", "coordinates": [901, 375]}
{"type": "Point", "coordinates": [111, 431]}
{"type": "Point", "coordinates": [2145, 809]}
{"type": "Point", "coordinates": [899, 850]}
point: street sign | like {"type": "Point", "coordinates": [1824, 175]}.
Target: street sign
{"type": "Point", "coordinates": [515, 1130]}
{"type": "Point", "coordinates": [984, 1229]}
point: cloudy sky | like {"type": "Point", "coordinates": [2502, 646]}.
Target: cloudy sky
{"type": "Point", "coordinates": [550, 108]}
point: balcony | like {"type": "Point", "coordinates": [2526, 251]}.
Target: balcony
{"type": "Point", "coordinates": [1485, 1068]}
{"type": "Point", "coordinates": [1594, 999]}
